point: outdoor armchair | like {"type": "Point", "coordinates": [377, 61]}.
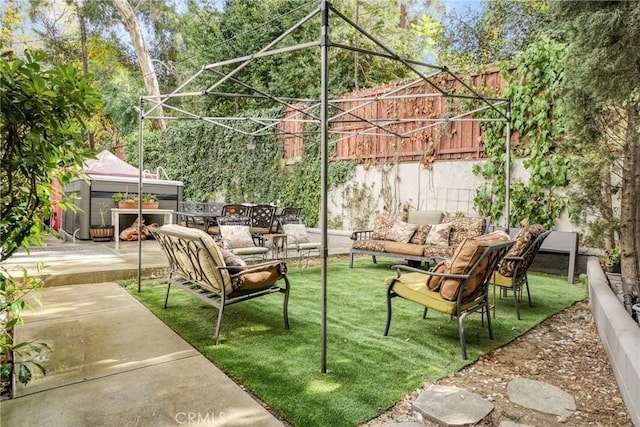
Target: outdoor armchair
{"type": "Point", "coordinates": [511, 275]}
{"type": "Point", "coordinates": [198, 265]}
{"type": "Point", "coordinates": [457, 286]}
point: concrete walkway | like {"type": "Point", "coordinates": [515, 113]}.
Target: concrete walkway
{"type": "Point", "coordinates": [113, 363]}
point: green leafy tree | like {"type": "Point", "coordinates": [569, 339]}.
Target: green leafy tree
{"type": "Point", "coordinates": [498, 31]}
{"type": "Point", "coordinates": [602, 69]}
{"type": "Point", "coordinates": [42, 135]}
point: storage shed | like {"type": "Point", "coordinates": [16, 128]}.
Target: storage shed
{"type": "Point", "coordinates": [109, 175]}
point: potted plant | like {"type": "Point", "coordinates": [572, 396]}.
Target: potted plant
{"type": "Point", "coordinates": [102, 232]}
{"type": "Point", "coordinates": [613, 260]}
{"type": "Point", "coordinates": [149, 201]}
{"type": "Point", "coordinates": [126, 200]}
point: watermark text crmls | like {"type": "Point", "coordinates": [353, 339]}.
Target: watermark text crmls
{"type": "Point", "coordinates": [193, 417]}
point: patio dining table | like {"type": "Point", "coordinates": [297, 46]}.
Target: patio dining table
{"type": "Point", "coordinates": [199, 219]}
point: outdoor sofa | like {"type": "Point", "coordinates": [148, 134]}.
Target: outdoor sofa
{"type": "Point", "coordinates": [418, 236]}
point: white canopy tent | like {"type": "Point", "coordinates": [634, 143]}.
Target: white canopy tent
{"type": "Point", "coordinates": [325, 110]}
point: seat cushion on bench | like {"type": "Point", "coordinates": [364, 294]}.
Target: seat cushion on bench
{"type": "Point", "coordinates": [403, 248]}
{"type": "Point", "coordinates": [369, 245]}
{"type": "Point", "coordinates": [437, 251]}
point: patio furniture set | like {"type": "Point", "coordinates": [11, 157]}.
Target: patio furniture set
{"type": "Point", "coordinates": [456, 285]}
{"type": "Point", "coordinates": [252, 231]}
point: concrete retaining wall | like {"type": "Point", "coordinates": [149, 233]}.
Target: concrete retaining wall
{"type": "Point", "coordinates": [620, 336]}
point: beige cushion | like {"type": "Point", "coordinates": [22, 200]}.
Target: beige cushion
{"type": "Point", "coordinates": [401, 231]}
{"type": "Point", "coordinates": [383, 224]}
{"type": "Point", "coordinates": [424, 217]}
{"type": "Point", "coordinates": [438, 235]}
{"type": "Point", "coordinates": [298, 232]}
{"type": "Point", "coordinates": [463, 259]}
{"type": "Point", "coordinates": [403, 248]}
{"type": "Point", "coordinates": [434, 282]}
{"type": "Point", "coordinates": [420, 236]}
{"type": "Point", "coordinates": [238, 236]}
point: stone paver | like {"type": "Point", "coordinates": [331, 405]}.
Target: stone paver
{"type": "Point", "coordinates": [541, 397]}
{"type": "Point", "coordinates": [452, 406]}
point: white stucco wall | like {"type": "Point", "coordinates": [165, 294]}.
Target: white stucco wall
{"type": "Point", "coordinates": [448, 186]}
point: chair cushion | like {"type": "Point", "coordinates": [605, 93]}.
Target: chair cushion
{"type": "Point", "coordinates": [403, 248]}
{"type": "Point", "coordinates": [207, 263]}
{"type": "Point", "coordinates": [523, 239]}
{"type": "Point", "coordinates": [500, 280]}
{"type": "Point", "coordinates": [463, 259]}
{"type": "Point", "coordinates": [463, 227]}
{"type": "Point", "coordinates": [383, 224]}
{"type": "Point", "coordinates": [412, 286]}
{"type": "Point", "coordinates": [238, 236]}
{"type": "Point", "coordinates": [297, 231]}
{"type": "Point", "coordinates": [401, 231]}
{"type": "Point", "coordinates": [420, 236]}
{"type": "Point", "coordinates": [438, 235]}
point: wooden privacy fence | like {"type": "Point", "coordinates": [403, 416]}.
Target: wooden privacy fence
{"type": "Point", "coordinates": [412, 118]}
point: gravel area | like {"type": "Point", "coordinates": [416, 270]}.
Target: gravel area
{"type": "Point", "coordinates": [564, 351]}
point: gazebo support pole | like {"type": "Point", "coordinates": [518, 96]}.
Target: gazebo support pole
{"type": "Point", "coordinates": [508, 167]}
{"type": "Point", "coordinates": [140, 175]}
{"type": "Point", "coordinates": [324, 81]}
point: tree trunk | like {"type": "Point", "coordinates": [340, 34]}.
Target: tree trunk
{"type": "Point", "coordinates": [630, 205]}
{"type": "Point", "coordinates": [130, 23]}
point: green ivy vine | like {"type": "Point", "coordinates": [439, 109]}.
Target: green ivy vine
{"type": "Point", "coordinates": [533, 83]}
{"type": "Point", "coordinates": [213, 161]}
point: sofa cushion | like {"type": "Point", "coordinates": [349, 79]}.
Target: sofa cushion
{"type": "Point", "coordinates": [403, 248]}
{"type": "Point", "coordinates": [463, 259]}
{"type": "Point", "coordinates": [420, 236]}
{"type": "Point", "coordinates": [401, 231]}
{"type": "Point", "coordinates": [439, 251]}
{"type": "Point", "coordinates": [523, 239]}
{"type": "Point", "coordinates": [463, 227]}
{"type": "Point", "coordinates": [369, 245]}
{"type": "Point", "coordinates": [383, 224]}
{"type": "Point", "coordinates": [424, 217]}
{"type": "Point", "coordinates": [438, 235]}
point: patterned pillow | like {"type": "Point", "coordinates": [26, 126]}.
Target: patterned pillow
{"type": "Point", "coordinates": [523, 239]}
{"type": "Point", "coordinates": [463, 227]}
{"type": "Point", "coordinates": [297, 231]}
{"type": "Point", "coordinates": [383, 224]}
{"type": "Point", "coordinates": [238, 236]}
{"type": "Point", "coordinates": [401, 232]}
{"type": "Point", "coordinates": [438, 235]}
{"type": "Point", "coordinates": [421, 234]}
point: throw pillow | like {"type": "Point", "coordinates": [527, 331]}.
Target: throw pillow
{"type": "Point", "coordinates": [298, 232]}
{"type": "Point", "coordinates": [238, 236]}
{"type": "Point", "coordinates": [383, 224]}
{"type": "Point", "coordinates": [523, 240]}
{"type": "Point", "coordinates": [464, 258]}
{"type": "Point", "coordinates": [401, 231]}
{"type": "Point", "coordinates": [438, 235]}
{"type": "Point", "coordinates": [420, 236]}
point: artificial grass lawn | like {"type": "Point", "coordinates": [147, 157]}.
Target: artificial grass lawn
{"type": "Point", "coordinates": [368, 372]}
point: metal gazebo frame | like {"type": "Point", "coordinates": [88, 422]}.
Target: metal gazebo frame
{"type": "Point", "coordinates": [323, 111]}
